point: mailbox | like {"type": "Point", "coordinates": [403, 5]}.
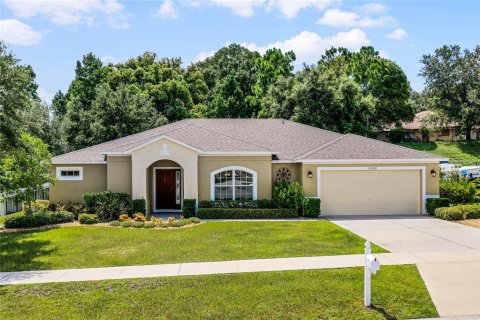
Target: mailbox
{"type": "Point", "coordinates": [372, 263]}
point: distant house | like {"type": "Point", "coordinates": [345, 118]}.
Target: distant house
{"type": "Point", "coordinates": [452, 132]}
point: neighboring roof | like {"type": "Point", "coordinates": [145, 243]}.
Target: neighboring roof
{"type": "Point", "coordinates": [418, 121]}
{"type": "Point", "coordinates": [289, 141]}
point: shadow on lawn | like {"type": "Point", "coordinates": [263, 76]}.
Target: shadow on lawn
{"type": "Point", "coordinates": [384, 312]}
{"type": "Point", "coordinates": [471, 148]}
{"type": "Point", "coordinates": [19, 251]}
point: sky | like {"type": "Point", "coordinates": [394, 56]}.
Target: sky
{"type": "Point", "coordinates": [51, 35]}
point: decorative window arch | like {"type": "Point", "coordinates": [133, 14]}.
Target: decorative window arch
{"type": "Point", "coordinates": [233, 183]}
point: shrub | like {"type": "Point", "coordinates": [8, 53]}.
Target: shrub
{"type": "Point", "coordinates": [106, 204]}
{"type": "Point", "coordinates": [138, 224]}
{"type": "Point", "coordinates": [289, 195]}
{"type": "Point", "coordinates": [73, 207]}
{"type": "Point", "coordinates": [171, 219]}
{"type": "Point", "coordinates": [156, 220]}
{"type": "Point", "coordinates": [139, 205]}
{"type": "Point", "coordinates": [115, 223]}
{"type": "Point", "coordinates": [248, 204]}
{"type": "Point", "coordinates": [124, 217]}
{"type": "Point", "coordinates": [244, 213]}
{"type": "Point", "coordinates": [189, 207]}
{"type": "Point", "coordinates": [127, 224]}
{"type": "Point", "coordinates": [397, 135]}
{"type": "Point", "coordinates": [139, 217]}
{"type": "Point", "coordinates": [449, 213]}
{"type": "Point", "coordinates": [184, 222]}
{"type": "Point", "coordinates": [434, 203]}
{"type": "Point", "coordinates": [87, 218]}
{"type": "Point", "coordinates": [149, 225]}
{"type": "Point", "coordinates": [457, 189]}
{"type": "Point", "coordinates": [471, 211]}
{"type": "Point", "coordinates": [92, 199]}
{"type": "Point", "coordinates": [37, 205]}
{"type": "Point", "coordinates": [38, 219]}
{"type": "Point", "coordinates": [312, 208]}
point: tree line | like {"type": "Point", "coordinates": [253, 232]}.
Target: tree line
{"type": "Point", "coordinates": [348, 92]}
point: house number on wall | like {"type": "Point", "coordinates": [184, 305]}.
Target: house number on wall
{"type": "Point", "coordinates": [372, 168]}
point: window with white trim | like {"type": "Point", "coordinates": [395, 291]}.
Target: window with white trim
{"type": "Point", "coordinates": [234, 183]}
{"type": "Point", "coordinates": [70, 173]}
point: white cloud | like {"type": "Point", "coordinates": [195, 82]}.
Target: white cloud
{"type": "Point", "coordinates": [167, 10]}
{"type": "Point", "coordinates": [71, 12]}
{"type": "Point", "coordinates": [203, 55]}
{"type": "Point", "coordinates": [290, 9]}
{"type": "Point", "coordinates": [339, 18]}
{"type": "Point", "coordinates": [246, 8]}
{"type": "Point", "coordinates": [309, 46]}
{"type": "Point", "coordinates": [373, 8]}
{"type": "Point", "coordinates": [397, 34]}
{"type": "Point", "coordinates": [45, 95]}
{"type": "Point", "coordinates": [110, 59]}
{"type": "Point", "coordinates": [18, 33]}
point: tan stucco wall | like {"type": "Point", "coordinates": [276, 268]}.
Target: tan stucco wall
{"type": "Point", "coordinates": [94, 179]}
{"type": "Point", "coordinates": [119, 174]}
{"type": "Point", "coordinates": [310, 185]}
{"type": "Point", "coordinates": [295, 169]}
{"type": "Point", "coordinates": [143, 158]}
{"type": "Point", "coordinates": [262, 165]}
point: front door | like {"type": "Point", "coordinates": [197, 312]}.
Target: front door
{"type": "Point", "coordinates": [168, 189]}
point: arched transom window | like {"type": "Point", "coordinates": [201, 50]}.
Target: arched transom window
{"type": "Point", "coordinates": [233, 183]}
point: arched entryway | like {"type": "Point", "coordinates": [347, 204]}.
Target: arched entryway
{"type": "Point", "coordinates": [165, 186]}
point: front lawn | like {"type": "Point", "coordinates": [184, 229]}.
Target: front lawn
{"type": "Point", "coordinates": [398, 292]}
{"type": "Point", "coordinates": [459, 152]}
{"type": "Point", "coordinates": [95, 246]}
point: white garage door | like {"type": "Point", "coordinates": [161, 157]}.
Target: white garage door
{"type": "Point", "coordinates": [370, 192]}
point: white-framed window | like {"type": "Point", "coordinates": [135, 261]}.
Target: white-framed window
{"type": "Point", "coordinates": [233, 183]}
{"type": "Point", "coordinates": [70, 173]}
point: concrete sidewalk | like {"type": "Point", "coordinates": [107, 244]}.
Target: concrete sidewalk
{"type": "Point", "coordinates": [199, 268]}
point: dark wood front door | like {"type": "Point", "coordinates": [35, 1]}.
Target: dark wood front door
{"type": "Point", "coordinates": [167, 189]}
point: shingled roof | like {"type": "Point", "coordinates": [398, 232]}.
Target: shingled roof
{"type": "Point", "coordinates": [287, 140]}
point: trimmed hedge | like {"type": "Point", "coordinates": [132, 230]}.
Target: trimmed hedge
{"type": "Point", "coordinates": [139, 205]}
{"type": "Point", "coordinates": [245, 213]}
{"type": "Point", "coordinates": [247, 204]}
{"type": "Point", "coordinates": [38, 219]}
{"type": "Point", "coordinates": [449, 213]}
{"type": "Point", "coordinates": [189, 207]}
{"type": "Point", "coordinates": [434, 203]}
{"type": "Point", "coordinates": [467, 211]}
{"type": "Point", "coordinates": [93, 198]}
{"type": "Point", "coordinates": [86, 218]}
{"type": "Point", "coordinates": [312, 208]}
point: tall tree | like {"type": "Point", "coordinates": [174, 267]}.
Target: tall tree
{"type": "Point", "coordinates": [378, 77]}
{"type": "Point", "coordinates": [122, 112]}
{"type": "Point", "coordinates": [17, 95]}
{"type": "Point", "coordinates": [230, 75]}
{"type": "Point", "coordinates": [27, 167]}
{"type": "Point", "coordinates": [452, 79]}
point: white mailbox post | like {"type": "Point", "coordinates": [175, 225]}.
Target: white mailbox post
{"type": "Point", "coordinates": [372, 265]}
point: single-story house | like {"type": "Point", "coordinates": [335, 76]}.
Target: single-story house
{"type": "Point", "coordinates": [451, 132]}
{"type": "Point", "coordinates": [216, 159]}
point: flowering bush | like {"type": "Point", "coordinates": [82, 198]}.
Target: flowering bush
{"type": "Point", "coordinates": [139, 217]}
{"type": "Point", "coordinates": [171, 219]}
{"type": "Point", "coordinates": [124, 217]}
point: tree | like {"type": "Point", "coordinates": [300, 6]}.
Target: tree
{"type": "Point", "coordinates": [122, 112]}
{"type": "Point", "coordinates": [318, 97]}
{"type": "Point", "coordinates": [230, 76]}
{"type": "Point", "coordinates": [17, 94]}
{"type": "Point", "coordinates": [379, 78]}
{"type": "Point", "coordinates": [452, 80]}
{"type": "Point", "coordinates": [27, 168]}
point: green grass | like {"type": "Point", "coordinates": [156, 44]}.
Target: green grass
{"type": "Point", "coordinates": [461, 152]}
{"type": "Point", "coordinates": [95, 246]}
{"type": "Point", "coordinates": [398, 292]}
{"type": "Point", "coordinates": [2, 218]}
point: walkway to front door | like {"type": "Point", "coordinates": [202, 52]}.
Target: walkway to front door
{"type": "Point", "coordinates": [167, 189]}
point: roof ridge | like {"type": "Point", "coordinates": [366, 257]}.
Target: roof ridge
{"type": "Point", "coordinates": [343, 136]}
{"type": "Point", "coordinates": [150, 137]}
{"type": "Point", "coordinates": [396, 145]}
{"type": "Point", "coordinates": [226, 135]}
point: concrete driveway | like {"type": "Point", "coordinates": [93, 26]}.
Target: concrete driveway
{"type": "Point", "coordinates": [448, 255]}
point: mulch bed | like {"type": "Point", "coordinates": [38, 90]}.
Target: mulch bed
{"type": "Point", "coordinates": [471, 222]}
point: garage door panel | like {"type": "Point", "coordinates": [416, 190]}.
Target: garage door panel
{"type": "Point", "coordinates": [370, 192]}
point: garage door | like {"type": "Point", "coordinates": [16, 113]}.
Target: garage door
{"type": "Point", "coordinates": [370, 192]}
